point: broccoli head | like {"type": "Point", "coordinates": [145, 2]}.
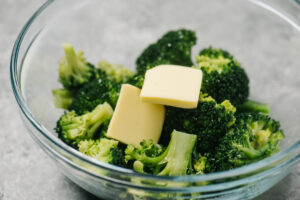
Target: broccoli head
{"type": "Point", "coordinates": [175, 160]}
{"type": "Point", "coordinates": [199, 163]}
{"type": "Point", "coordinates": [137, 80]}
{"type": "Point", "coordinates": [74, 70]}
{"type": "Point", "coordinates": [115, 72]}
{"type": "Point", "coordinates": [94, 93]}
{"type": "Point", "coordinates": [223, 76]}
{"type": "Point", "coordinates": [105, 150]}
{"type": "Point", "coordinates": [254, 136]}
{"type": "Point", "coordinates": [63, 98]}
{"type": "Point", "coordinates": [173, 48]}
{"type": "Point", "coordinates": [73, 128]}
{"type": "Point", "coordinates": [209, 121]}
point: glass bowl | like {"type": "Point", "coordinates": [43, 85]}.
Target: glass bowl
{"type": "Point", "coordinates": [263, 35]}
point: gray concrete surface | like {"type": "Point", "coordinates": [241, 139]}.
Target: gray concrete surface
{"type": "Point", "coordinates": [25, 170]}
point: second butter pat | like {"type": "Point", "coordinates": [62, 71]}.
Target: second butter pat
{"type": "Point", "coordinates": [134, 120]}
{"type": "Point", "coordinates": [172, 85]}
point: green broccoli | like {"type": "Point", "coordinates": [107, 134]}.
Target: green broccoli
{"type": "Point", "coordinates": [105, 150]}
{"type": "Point", "coordinates": [253, 106]}
{"type": "Point", "coordinates": [147, 148]}
{"type": "Point", "coordinates": [209, 121]}
{"type": "Point", "coordinates": [223, 76]}
{"type": "Point", "coordinates": [115, 72]}
{"type": "Point", "coordinates": [73, 128]}
{"type": "Point", "coordinates": [199, 163]}
{"type": "Point", "coordinates": [95, 92]}
{"type": "Point", "coordinates": [63, 98]}
{"type": "Point", "coordinates": [174, 161]}
{"type": "Point", "coordinates": [254, 136]}
{"type": "Point", "coordinates": [74, 71]}
{"type": "Point", "coordinates": [173, 48]}
{"type": "Point", "coordinates": [137, 80]}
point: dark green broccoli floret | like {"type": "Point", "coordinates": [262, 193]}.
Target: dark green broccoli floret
{"type": "Point", "coordinates": [95, 92]}
{"type": "Point", "coordinates": [63, 98]}
{"type": "Point", "coordinates": [74, 70]}
{"type": "Point", "coordinates": [173, 48]}
{"type": "Point", "coordinates": [209, 121]}
{"type": "Point", "coordinates": [253, 137]}
{"type": "Point", "coordinates": [105, 150]}
{"type": "Point", "coordinates": [174, 161]}
{"type": "Point", "coordinates": [137, 80]}
{"type": "Point", "coordinates": [253, 106]}
{"type": "Point", "coordinates": [115, 72]}
{"type": "Point", "coordinates": [223, 77]}
{"type": "Point", "coordinates": [73, 128]}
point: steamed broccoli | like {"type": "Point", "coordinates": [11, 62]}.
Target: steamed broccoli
{"type": "Point", "coordinates": [223, 77]}
{"type": "Point", "coordinates": [74, 71]}
{"type": "Point", "coordinates": [209, 121]}
{"type": "Point", "coordinates": [63, 98]}
{"type": "Point", "coordinates": [199, 163]}
{"type": "Point", "coordinates": [253, 106]}
{"type": "Point", "coordinates": [103, 149]}
{"type": "Point", "coordinates": [95, 92]}
{"type": "Point", "coordinates": [137, 80]}
{"type": "Point", "coordinates": [254, 136]}
{"type": "Point", "coordinates": [174, 161]}
{"type": "Point", "coordinates": [73, 128]}
{"type": "Point", "coordinates": [115, 72]}
{"type": "Point", "coordinates": [173, 48]}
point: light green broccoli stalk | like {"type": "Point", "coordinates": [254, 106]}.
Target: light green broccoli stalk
{"type": "Point", "coordinates": [63, 98]}
{"type": "Point", "coordinates": [174, 161]}
{"type": "Point", "coordinates": [253, 106]}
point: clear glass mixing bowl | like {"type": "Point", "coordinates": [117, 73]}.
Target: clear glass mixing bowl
{"type": "Point", "coordinates": [264, 36]}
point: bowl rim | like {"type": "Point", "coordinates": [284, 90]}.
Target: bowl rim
{"type": "Point", "coordinates": [287, 154]}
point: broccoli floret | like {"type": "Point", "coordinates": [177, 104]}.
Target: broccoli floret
{"type": "Point", "coordinates": [254, 136]}
{"type": "Point", "coordinates": [63, 98]}
{"type": "Point", "coordinates": [73, 128]}
{"type": "Point", "coordinates": [253, 106]}
{"type": "Point", "coordinates": [223, 76]}
{"type": "Point", "coordinates": [174, 161]}
{"type": "Point", "coordinates": [147, 148]}
{"type": "Point", "coordinates": [94, 93]}
{"type": "Point", "coordinates": [173, 48]}
{"type": "Point", "coordinates": [74, 70]}
{"type": "Point", "coordinates": [137, 80]}
{"type": "Point", "coordinates": [105, 150]}
{"type": "Point", "coordinates": [209, 121]}
{"type": "Point", "coordinates": [115, 72]}
{"type": "Point", "coordinates": [199, 163]}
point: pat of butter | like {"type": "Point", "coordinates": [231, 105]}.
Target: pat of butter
{"type": "Point", "coordinates": [172, 85]}
{"type": "Point", "coordinates": [134, 120]}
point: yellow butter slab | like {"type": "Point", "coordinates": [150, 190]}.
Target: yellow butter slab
{"type": "Point", "coordinates": [172, 85]}
{"type": "Point", "coordinates": [134, 120]}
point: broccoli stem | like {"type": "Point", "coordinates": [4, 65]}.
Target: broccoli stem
{"type": "Point", "coordinates": [253, 106]}
{"type": "Point", "coordinates": [95, 118]}
{"type": "Point", "coordinates": [179, 153]}
{"type": "Point", "coordinates": [70, 55]}
{"type": "Point", "coordinates": [174, 161]}
{"type": "Point", "coordinates": [146, 159]}
{"type": "Point", "coordinates": [63, 98]}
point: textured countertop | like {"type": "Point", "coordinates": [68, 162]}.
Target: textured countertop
{"type": "Point", "coordinates": [26, 172]}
